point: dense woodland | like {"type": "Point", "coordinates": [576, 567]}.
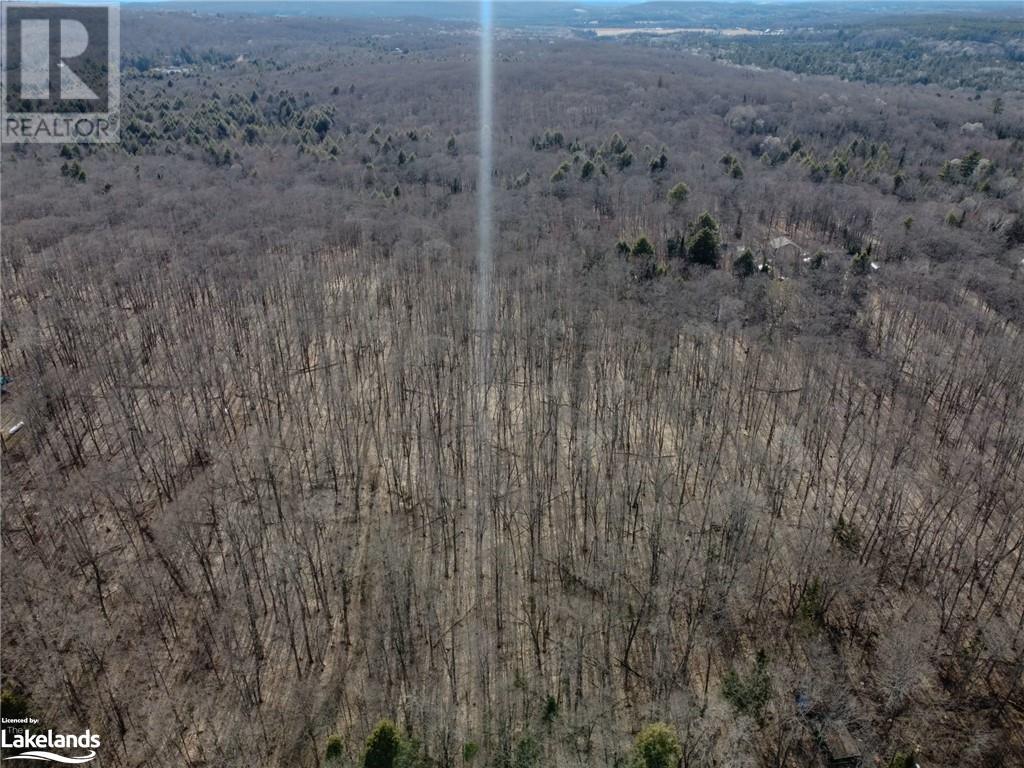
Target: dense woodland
{"type": "Point", "coordinates": [731, 460]}
{"type": "Point", "coordinates": [980, 53]}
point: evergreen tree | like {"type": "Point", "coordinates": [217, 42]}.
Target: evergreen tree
{"type": "Point", "coordinates": [676, 246]}
{"type": "Point", "coordinates": [334, 749]}
{"type": "Point", "coordinates": [383, 746]}
{"type": "Point", "coordinates": [657, 746]}
{"type": "Point", "coordinates": [660, 162]}
{"type": "Point", "coordinates": [705, 243]}
{"type": "Point", "coordinates": [744, 265]}
{"type": "Point", "coordinates": [861, 263]}
{"type": "Point", "coordinates": [749, 693]}
{"type": "Point", "coordinates": [679, 193]}
{"type": "Point", "coordinates": [643, 247]}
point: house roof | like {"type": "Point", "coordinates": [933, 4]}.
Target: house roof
{"type": "Point", "coordinates": [781, 242]}
{"type": "Point", "coordinates": [840, 744]}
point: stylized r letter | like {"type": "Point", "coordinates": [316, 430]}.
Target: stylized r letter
{"type": "Point", "coordinates": [35, 59]}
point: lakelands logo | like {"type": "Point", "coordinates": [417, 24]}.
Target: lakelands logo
{"type": "Point", "coordinates": [61, 73]}
{"type": "Point", "coordinates": [38, 746]}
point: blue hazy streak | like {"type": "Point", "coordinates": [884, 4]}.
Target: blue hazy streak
{"type": "Point", "coordinates": [484, 256]}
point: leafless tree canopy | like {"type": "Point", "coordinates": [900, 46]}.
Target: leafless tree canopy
{"type": "Point", "coordinates": [267, 493]}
